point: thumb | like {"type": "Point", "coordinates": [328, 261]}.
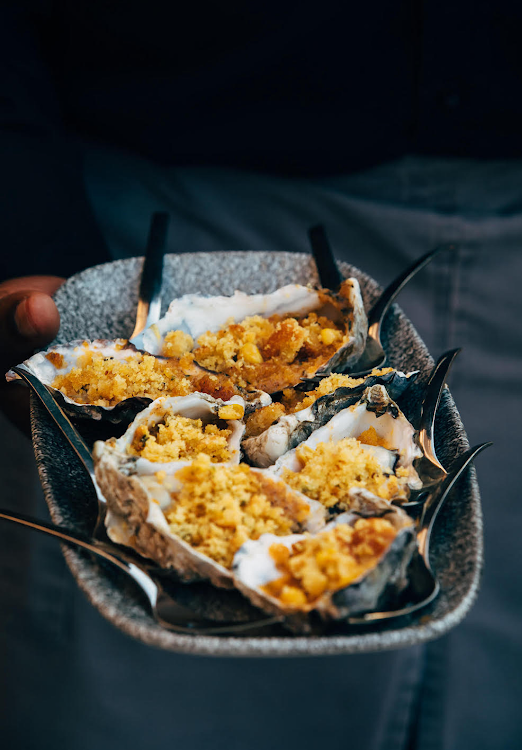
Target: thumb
{"type": "Point", "coordinates": [28, 320]}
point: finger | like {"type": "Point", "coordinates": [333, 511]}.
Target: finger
{"type": "Point", "coordinates": [28, 320]}
{"type": "Point", "coordinates": [36, 318]}
{"type": "Point", "coordinates": [46, 284]}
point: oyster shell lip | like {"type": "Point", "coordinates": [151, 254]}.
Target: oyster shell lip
{"type": "Point", "coordinates": [253, 568]}
{"type": "Point", "coordinates": [196, 315]}
{"type": "Point", "coordinates": [347, 356]}
{"type": "Point", "coordinates": [290, 430]}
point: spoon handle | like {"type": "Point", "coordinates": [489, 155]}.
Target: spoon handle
{"type": "Point", "coordinates": [100, 549]}
{"type": "Point", "coordinates": [72, 436]}
{"type": "Point", "coordinates": [329, 275]}
{"type": "Point", "coordinates": [149, 303]}
{"type": "Point", "coordinates": [166, 611]}
{"type": "Point", "coordinates": [63, 423]}
{"type": "Point", "coordinates": [437, 499]}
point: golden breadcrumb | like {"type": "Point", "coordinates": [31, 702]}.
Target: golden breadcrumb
{"type": "Point", "coordinates": [294, 400]}
{"type": "Point", "coordinates": [105, 380]}
{"type": "Point", "coordinates": [179, 438]}
{"type": "Point", "coordinates": [177, 343]}
{"type": "Point", "coordinates": [329, 561]}
{"type": "Point", "coordinates": [267, 353]}
{"type": "Point", "coordinates": [331, 469]}
{"type": "Point", "coordinates": [261, 419]}
{"type": "Point", "coordinates": [219, 507]}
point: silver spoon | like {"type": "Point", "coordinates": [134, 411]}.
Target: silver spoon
{"type": "Point", "coordinates": [330, 277]}
{"type": "Point", "coordinates": [149, 302]}
{"type": "Point", "coordinates": [164, 608]}
{"type": "Point", "coordinates": [423, 584]}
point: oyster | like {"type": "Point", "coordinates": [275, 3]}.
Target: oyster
{"type": "Point", "coordinates": [356, 564]}
{"type": "Point", "coordinates": [112, 380]}
{"type": "Point", "coordinates": [369, 444]}
{"type": "Point", "coordinates": [172, 431]}
{"type": "Point", "coordinates": [266, 341]}
{"type": "Point", "coordinates": [194, 518]}
{"type": "Point", "coordinates": [331, 395]}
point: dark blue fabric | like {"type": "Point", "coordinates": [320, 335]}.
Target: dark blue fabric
{"type": "Point", "coordinates": [83, 684]}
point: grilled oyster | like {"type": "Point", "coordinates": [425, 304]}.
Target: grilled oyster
{"type": "Point", "coordinates": [369, 444]}
{"type": "Point", "coordinates": [172, 431]}
{"type": "Point", "coordinates": [195, 516]}
{"type": "Point", "coordinates": [112, 380]}
{"type": "Point", "coordinates": [266, 341]}
{"type": "Point", "coordinates": [292, 425]}
{"type": "Point", "coordinates": [354, 565]}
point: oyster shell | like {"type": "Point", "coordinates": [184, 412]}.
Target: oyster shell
{"type": "Point", "coordinates": [102, 399]}
{"type": "Point", "coordinates": [290, 430]}
{"type": "Point", "coordinates": [375, 412]}
{"type": "Point", "coordinates": [193, 316]}
{"type": "Point", "coordinates": [269, 582]}
{"type": "Point", "coordinates": [143, 511]}
{"type": "Point", "coordinates": [197, 406]}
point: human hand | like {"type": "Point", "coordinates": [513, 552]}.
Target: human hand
{"type": "Point", "coordinates": [29, 319]}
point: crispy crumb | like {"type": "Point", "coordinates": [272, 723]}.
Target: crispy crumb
{"type": "Point", "coordinates": [329, 561]}
{"type": "Point", "coordinates": [179, 438]}
{"type": "Point", "coordinates": [220, 507]}
{"type": "Point", "coordinates": [332, 469]}
{"type": "Point", "coordinates": [268, 353]}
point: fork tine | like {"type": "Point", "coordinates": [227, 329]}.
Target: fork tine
{"type": "Point", "coordinates": [430, 403]}
{"type": "Point", "coordinates": [329, 274]}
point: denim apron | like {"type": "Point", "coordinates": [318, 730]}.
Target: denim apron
{"type": "Point", "coordinates": [70, 681]}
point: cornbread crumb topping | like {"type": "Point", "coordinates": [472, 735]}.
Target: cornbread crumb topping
{"type": "Point", "coordinates": [265, 352]}
{"type": "Point", "coordinates": [179, 438]}
{"type": "Point", "coordinates": [294, 400]}
{"type": "Point", "coordinates": [329, 561]}
{"type": "Point", "coordinates": [105, 381]}
{"type": "Point", "coordinates": [261, 419]}
{"type": "Point", "coordinates": [177, 343]}
{"type": "Point", "coordinates": [332, 469]}
{"type": "Point", "coordinates": [219, 507]}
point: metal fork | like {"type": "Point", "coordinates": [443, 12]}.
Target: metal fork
{"type": "Point", "coordinates": [163, 606]}
{"type": "Point", "coordinates": [331, 278]}
{"type": "Point", "coordinates": [423, 584]}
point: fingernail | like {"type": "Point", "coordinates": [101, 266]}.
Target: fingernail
{"type": "Point", "coordinates": [22, 321]}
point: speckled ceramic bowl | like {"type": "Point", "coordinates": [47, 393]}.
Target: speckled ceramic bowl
{"type": "Point", "coordinates": [101, 303]}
